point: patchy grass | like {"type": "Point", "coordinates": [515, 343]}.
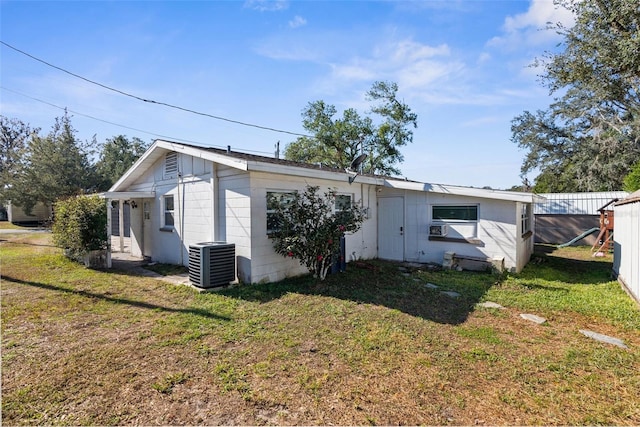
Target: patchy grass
{"type": "Point", "coordinates": [369, 346]}
{"type": "Point", "coordinates": [167, 269]}
{"type": "Point", "coordinates": [6, 225]}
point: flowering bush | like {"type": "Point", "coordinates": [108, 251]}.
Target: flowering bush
{"type": "Point", "coordinates": [308, 229]}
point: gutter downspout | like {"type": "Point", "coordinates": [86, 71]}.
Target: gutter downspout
{"type": "Point", "coordinates": [214, 202]}
{"type": "Point", "coordinates": [180, 219]}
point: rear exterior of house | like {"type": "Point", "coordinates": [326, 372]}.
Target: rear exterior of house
{"type": "Point", "coordinates": [181, 195]}
{"type": "Point", "coordinates": [479, 225]}
{"type": "Point", "coordinates": [626, 248]}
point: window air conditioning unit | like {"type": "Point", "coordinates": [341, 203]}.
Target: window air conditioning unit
{"type": "Point", "coordinates": [212, 264]}
{"type": "Point", "coordinates": [438, 230]}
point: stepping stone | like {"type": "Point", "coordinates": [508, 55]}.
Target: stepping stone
{"type": "Point", "coordinates": [490, 304]}
{"type": "Point", "coordinates": [603, 338]}
{"type": "Point", "coordinates": [431, 286]}
{"type": "Point", "coordinates": [406, 274]}
{"type": "Point", "coordinates": [402, 269]}
{"type": "Point", "coordinates": [451, 294]}
{"type": "Point", "coordinates": [533, 318]}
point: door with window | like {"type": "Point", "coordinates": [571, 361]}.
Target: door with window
{"type": "Point", "coordinates": [147, 208]}
{"type": "Point", "coordinates": [391, 228]}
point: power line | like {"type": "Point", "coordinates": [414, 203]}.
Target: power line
{"type": "Point", "coordinates": [150, 101]}
{"type": "Point", "coordinates": [123, 126]}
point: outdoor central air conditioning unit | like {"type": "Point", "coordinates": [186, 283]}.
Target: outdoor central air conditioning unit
{"type": "Point", "coordinates": [438, 230]}
{"type": "Point", "coordinates": [212, 264]}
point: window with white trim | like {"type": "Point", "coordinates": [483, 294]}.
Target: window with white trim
{"type": "Point", "coordinates": [276, 200]}
{"type": "Point", "coordinates": [169, 210]}
{"type": "Point", "coordinates": [454, 212]}
{"type": "Point", "coordinates": [461, 220]}
{"type": "Point", "coordinates": [525, 218]}
{"type": "Point", "coordinates": [342, 202]}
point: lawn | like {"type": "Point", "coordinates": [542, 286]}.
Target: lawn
{"type": "Point", "coordinates": [374, 345]}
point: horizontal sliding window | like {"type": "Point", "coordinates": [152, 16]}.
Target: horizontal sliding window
{"type": "Point", "coordinates": [455, 212]}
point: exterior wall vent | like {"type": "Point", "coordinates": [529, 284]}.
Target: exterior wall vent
{"type": "Point", "coordinates": [438, 230]}
{"type": "Point", "coordinates": [171, 164]}
{"type": "Point", "coordinates": [212, 264]}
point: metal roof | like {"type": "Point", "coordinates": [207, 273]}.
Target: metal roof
{"type": "Point", "coordinates": [576, 203]}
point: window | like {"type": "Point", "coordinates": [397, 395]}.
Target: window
{"type": "Point", "coordinates": [146, 211]}
{"type": "Point", "coordinates": [525, 218]}
{"type": "Point", "coordinates": [275, 200]}
{"type": "Point", "coordinates": [168, 211]}
{"type": "Point", "coordinates": [170, 164]}
{"type": "Point", "coordinates": [455, 213]}
{"type": "Point", "coordinates": [343, 201]}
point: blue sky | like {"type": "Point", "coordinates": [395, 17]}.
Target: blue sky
{"type": "Point", "coordinates": [462, 67]}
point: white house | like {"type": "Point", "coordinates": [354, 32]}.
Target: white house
{"type": "Point", "coordinates": [182, 194]}
{"type": "Point", "coordinates": [626, 247]}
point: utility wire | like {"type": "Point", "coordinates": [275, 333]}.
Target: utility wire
{"type": "Point", "coordinates": [170, 138]}
{"type": "Point", "coordinates": [150, 101]}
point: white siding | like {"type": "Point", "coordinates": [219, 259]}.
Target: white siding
{"type": "Point", "coordinates": [235, 218]}
{"type": "Point", "coordinates": [626, 237]}
{"type": "Point", "coordinates": [269, 266]}
{"type": "Point", "coordinates": [576, 203]}
{"type": "Point", "coordinates": [193, 209]}
{"type": "Point", "coordinates": [497, 229]}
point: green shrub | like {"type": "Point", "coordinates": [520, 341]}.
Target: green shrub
{"type": "Point", "coordinates": [80, 225]}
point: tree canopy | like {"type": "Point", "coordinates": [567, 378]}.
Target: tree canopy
{"type": "Point", "coordinates": [36, 168]}
{"type": "Point", "coordinates": [335, 142]}
{"type": "Point", "coordinates": [117, 155]}
{"type": "Point", "coordinates": [14, 139]}
{"type": "Point", "coordinates": [589, 137]}
{"type": "Point", "coordinates": [53, 167]}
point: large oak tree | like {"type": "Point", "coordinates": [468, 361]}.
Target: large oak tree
{"type": "Point", "coordinates": [589, 137]}
{"type": "Point", "coordinates": [336, 141]}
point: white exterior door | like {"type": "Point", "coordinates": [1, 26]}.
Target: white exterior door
{"type": "Point", "coordinates": [391, 228]}
{"type": "Point", "coordinates": [147, 208]}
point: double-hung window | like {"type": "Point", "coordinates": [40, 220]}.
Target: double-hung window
{"type": "Point", "coordinates": [275, 201]}
{"type": "Point", "coordinates": [169, 210]}
{"type": "Point", "coordinates": [525, 218]}
{"type": "Point", "coordinates": [342, 202]}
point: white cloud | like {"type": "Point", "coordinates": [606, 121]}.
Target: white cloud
{"type": "Point", "coordinates": [267, 5]}
{"type": "Point", "coordinates": [410, 63]}
{"type": "Point", "coordinates": [297, 21]}
{"type": "Point", "coordinates": [530, 28]}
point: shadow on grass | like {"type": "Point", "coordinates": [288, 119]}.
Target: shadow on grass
{"type": "Point", "coordinates": [133, 303]}
{"type": "Point", "coordinates": [552, 264]}
{"type": "Point", "coordinates": [382, 283]}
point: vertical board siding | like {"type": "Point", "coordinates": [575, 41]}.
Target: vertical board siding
{"type": "Point", "coordinates": [496, 227]}
{"type": "Point", "coordinates": [627, 246]}
{"type": "Point", "coordinates": [235, 218]}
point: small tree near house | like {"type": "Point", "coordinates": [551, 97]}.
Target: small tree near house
{"type": "Point", "coordinates": [309, 228]}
